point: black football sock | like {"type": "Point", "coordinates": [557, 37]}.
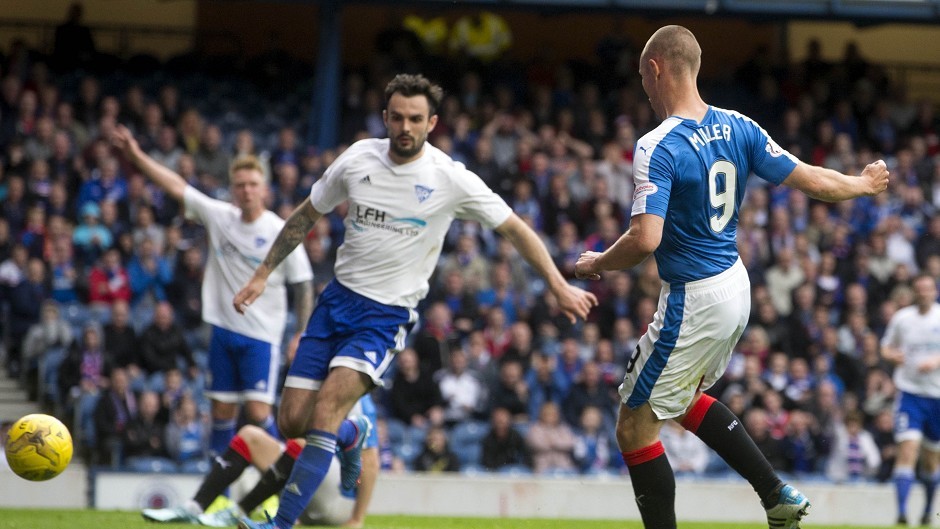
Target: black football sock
{"type": "Point", "coordinates": [721, 430]}
{"type": "Point", "coordinates": [273, 479]}
{"type": "Point", "coordinates": [654, 486]}
{"type": "Point", "coordinates": [225, 470]}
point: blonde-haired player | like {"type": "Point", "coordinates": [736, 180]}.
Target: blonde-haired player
{"type": "Point", "coordinates": [244, 351]}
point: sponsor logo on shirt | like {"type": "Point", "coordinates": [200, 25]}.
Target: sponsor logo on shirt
{"type": "Point", "coordinates": [365, 180]}
{"type": "Point", "coordinates": [644, 190]}
{"type": "Point", "coordinates": [366, 217]}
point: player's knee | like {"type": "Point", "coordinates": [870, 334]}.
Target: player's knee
{"type": "Point", "coordinates": [250, 432]}
{"type": "Point", "coordinates": [290, 425]}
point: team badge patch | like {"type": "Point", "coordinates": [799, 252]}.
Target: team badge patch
{"type": "Point", "coordinates": [259, 242]}
{"type": "Point", "coordinates": [423, 192]}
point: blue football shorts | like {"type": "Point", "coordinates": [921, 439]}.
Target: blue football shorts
{"type": "Point", "coordinates": [349, 330]}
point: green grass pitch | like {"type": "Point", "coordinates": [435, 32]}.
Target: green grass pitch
{"type": "Point", "coordinates": [90, 519]}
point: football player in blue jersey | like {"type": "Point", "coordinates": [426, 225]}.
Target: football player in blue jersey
{"type": "Point", "coordinates": [690, 174]}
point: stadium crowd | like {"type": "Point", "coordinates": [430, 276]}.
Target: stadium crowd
{"type": "Point", "coordinates": [100, 273]}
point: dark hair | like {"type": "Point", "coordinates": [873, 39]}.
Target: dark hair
{"type": "Point", "coordinates": [410, 85]}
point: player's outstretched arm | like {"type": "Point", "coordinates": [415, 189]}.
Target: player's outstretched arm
{"type": "Point", "coordinates": [573, 301]}
{"type": "Point", "coordinates": [632, 248]}
{"type": "Point", "coordinates": [832, 186]}
{"type": "Point", "coordinates": [295, 229]}
{"type": "Point", "coordinates": [169, 181]}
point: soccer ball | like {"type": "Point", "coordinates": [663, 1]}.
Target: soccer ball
{"type": "Point", "coordinates": [38, 447]}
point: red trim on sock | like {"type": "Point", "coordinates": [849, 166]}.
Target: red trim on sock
{"type": "Point", "coordinates": [293, 448]}
{"type": "Point", "coordinates": [693, 419]}
{"type": "Point", "coordinates": [649, 453]}
{"type": "Point", "coordinates": [241, 447]}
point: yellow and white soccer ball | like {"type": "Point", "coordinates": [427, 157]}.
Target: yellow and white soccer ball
{"type": "Point", "coordinates": [38, 447]}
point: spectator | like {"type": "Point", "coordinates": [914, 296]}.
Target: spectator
{"type": "Point", "coordinates": [82, 376]}
{"type": "Point", "coordinates": [187, 436]}
{"type": "Point", "coordinates": [64, 279]}
{"type": "Point", "coordinates": [121, 342]}
{"type": "Point", "coordinates": [592, 450]}
{"type": "Point", "coordinates": [882, 431]}
{"type": "Point", "coordinates": [510, 391]}
{"type": "Point", "coordinates": [113, 414]}
{"type": "Point", "coordinates": [461, 302]}
{"type": "Point", "coordinates": [108, 280]}
{"type": "Point", "coordinates": [24, 309]}
{"type": "Point", "coordinates": [145, 437]}
{"type": "Point", "coordinates": [551, 441]}
{"type": "Point", "coordinates": [149, 274]}
{"type": "Point", "coordinates": [163, 347]}
{"type": "Point", "coordinates": [503, 446]}
{"type": "Point", "coordinates": [855, 456]}
{"type": "Point", "coordinates": [436, 339]}
{"type": "Point", "coordinates": [757, 425]}
{"type": "Point", "coordinates": [74, 46]}
{"type": "Point", "coordinates": [545, 383]}
{"type": "Point", "coordinates": [50, 336]}
{"type": "Point", "coordinates": [185, 289]}
{"type": "Point", "coordinates": [462, 390]}
{"type": "Point", "coordinates": [436, 455]}
{"type": "Point", "coordinates": [803, 446]}
{"type": "Point", "coordinates": [468, 260]}
{"type": "Point", "coordinates": [90, 237]}
{"type": "Point", "coordinates": [211, 158]}
{"type": "Point", "coordinates": [589, 392]}
{"type": "Point", "coordinates": [687, 454]}
{"type": "Point", "coordinates": [415, 398]}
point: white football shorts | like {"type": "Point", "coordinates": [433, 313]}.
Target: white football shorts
{"type": "Point", "coordinates": [688, 345]}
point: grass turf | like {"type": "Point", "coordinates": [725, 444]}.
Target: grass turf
{"type": "Point", "coordinates": [91, 519]}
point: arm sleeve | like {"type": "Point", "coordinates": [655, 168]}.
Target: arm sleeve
{"type": "Point", "coordinates": [770, 161]}
{"type": "Point", "coordinates": [891, 337]}
{"type": "Point", "coordinates": [200, 207]}
{"type": "Point", "coordinates": [653, 173]}
{"type": "Point", "coordinates": [478, 202]}
{"type": "Point", "coordinates": [330, 190]}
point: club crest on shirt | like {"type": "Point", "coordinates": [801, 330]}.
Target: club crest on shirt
{"type": "Point", "coordinates": [259, 242]}
{"type": "Point", "coordinates": [644, 190]}
{"type": "Point", "coordinates": [423, 192]}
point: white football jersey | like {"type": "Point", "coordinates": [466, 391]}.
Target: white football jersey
{"type": "Point", "coordinates": [235, 250]}
{"type": "Point", "coordinates": [398, 216]}
{"type": "Point", "coordinates": [918, 337]}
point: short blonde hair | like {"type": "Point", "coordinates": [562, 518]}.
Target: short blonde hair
{"type": "Point", "coordinates": [249, 162]}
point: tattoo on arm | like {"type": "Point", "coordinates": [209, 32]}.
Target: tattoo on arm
{"type": "Point", "coordinates": [295, 229]}
{"type": "Point", "coordinates": [303, 302]}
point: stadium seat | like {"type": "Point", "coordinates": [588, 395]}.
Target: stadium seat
{"type": "Point", "coordinates": [407, 451]}
{"type": "Point", "coordinates": [150, 464]}
{"type": "Point", "coordinates": [49, 375]}
{"type": "Point", "coordinates": [515, 470]}
{"type": "Point", "coordinates": [468, 454]}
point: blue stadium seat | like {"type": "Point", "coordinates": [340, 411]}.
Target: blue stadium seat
{"type": "Point", "coordinates": [468, 433]}
{"type": "Point", "coordinates": [49, 374]}
{"type": "Point", "coordinates": [468, 454]}
{"type": "Point", "coordinates": [515, 470]}
{"type": "Point", "coordinates": [150, 464]}
{"type": "Point", "coordinates": [407, 451]}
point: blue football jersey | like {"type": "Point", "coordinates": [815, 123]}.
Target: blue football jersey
{"type": "Point", "coordinates": [694, 176]}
